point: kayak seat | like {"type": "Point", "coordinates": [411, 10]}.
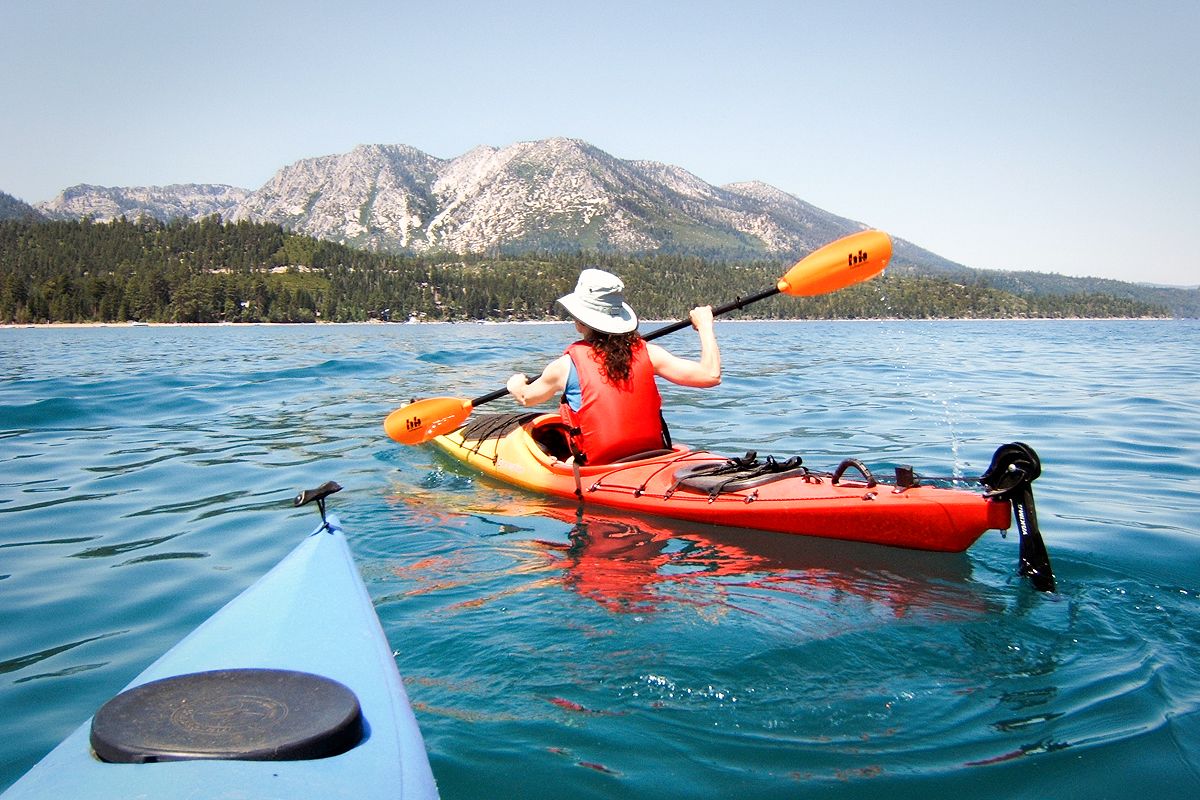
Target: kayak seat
{"type": "Point", "coordinates": [553, 440]}
{"type": "Point", "coordinates": [231, 714]}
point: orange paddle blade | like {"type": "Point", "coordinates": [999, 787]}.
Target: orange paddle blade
{"type": "Point", "coordinates": [421, 421]}
{"type": "Point", "coordinates": [851, 259]}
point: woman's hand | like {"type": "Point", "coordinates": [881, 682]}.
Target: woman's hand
{"type": "Point", "coordinates": [702, 317]}
{"type": "Point", "coordinates": [516, 386]}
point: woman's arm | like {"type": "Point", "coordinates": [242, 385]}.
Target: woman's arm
{"type": "Point", "coordinates": [550, 383]}
{"type": "Point", "coordinates": [701, 374]}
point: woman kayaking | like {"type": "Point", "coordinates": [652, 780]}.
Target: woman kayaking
{"type": "Point", "coordinates": [610, 402]}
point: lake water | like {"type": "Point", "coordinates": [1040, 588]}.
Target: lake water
{"type": "Point", "coordinates": [146, 477]}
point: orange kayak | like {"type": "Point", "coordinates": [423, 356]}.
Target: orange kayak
{"type": "Point", "coordinates": [528, 451]}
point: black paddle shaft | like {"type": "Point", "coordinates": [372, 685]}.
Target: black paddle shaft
{"type": "Point", "coordinates": [734, 305]}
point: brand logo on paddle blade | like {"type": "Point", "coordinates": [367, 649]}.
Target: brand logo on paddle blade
{"type": "Point", "coordinates": [431, 429]}
{"type": "Point", "coordinates": [855, 259]}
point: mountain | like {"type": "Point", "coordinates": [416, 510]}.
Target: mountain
{"type": "Point", "coordinates": [555, 194]}
{"type": "Point", "coordinates": [376, 196]}
{"type": "Point", "coordinates": [12, 208]}
{"type": "Point", "coordinates": [103, 203]}
{"type": "Point", "coordinates": [1181, 301]}
{"type": "Point", "coordinates": [551, 195]}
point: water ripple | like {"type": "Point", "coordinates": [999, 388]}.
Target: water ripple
{"type": "Point", "coordinates": [544, 648]}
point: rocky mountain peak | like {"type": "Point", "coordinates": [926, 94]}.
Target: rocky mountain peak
{"type": "Point", "coordinates": [557, 193]}
{"type": "Point", "coordinates": [103, 203]}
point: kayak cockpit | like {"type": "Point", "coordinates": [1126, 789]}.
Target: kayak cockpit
{"type": "Point", "coordinates": [548, 440]}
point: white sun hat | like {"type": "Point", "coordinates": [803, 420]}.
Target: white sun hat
{"type": "Point", "coordinates": [599, 302]}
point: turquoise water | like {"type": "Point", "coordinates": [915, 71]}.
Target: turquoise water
{"type": "Point", "coordinates": [146, 476]}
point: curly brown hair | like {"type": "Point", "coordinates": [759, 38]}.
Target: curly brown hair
{"type": "Point", "coordinates": [614, 353]}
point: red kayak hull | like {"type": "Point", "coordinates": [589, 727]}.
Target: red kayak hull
{"type": "Point", "coordinates": [919, 517]}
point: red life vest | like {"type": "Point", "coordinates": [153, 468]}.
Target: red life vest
{"type": "Point", "coordinates": [614, 421]}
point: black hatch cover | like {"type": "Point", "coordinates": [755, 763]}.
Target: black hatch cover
{"type": "Point", "coordinates": [241, 714]}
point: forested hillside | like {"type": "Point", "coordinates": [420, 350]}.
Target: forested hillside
{"type": "Point", "coordinates": [12, 208]}
{"type": "Point", "coordinates": [212, 271]}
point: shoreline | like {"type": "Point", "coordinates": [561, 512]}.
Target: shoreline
{"type": "Point", "coordinates": [378, 323]}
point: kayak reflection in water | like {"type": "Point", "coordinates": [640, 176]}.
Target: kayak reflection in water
{"type": "Point", "coordinates": [609, 374]}
{"type": "Point", "coordinates": [618, 565]}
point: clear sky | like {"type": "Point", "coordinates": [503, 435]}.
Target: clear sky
{"type": "Point", "coordinates": [1051, 135]}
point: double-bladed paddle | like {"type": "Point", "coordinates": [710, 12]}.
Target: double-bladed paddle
{"type": "Point", "coordinates": [847, 261]}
